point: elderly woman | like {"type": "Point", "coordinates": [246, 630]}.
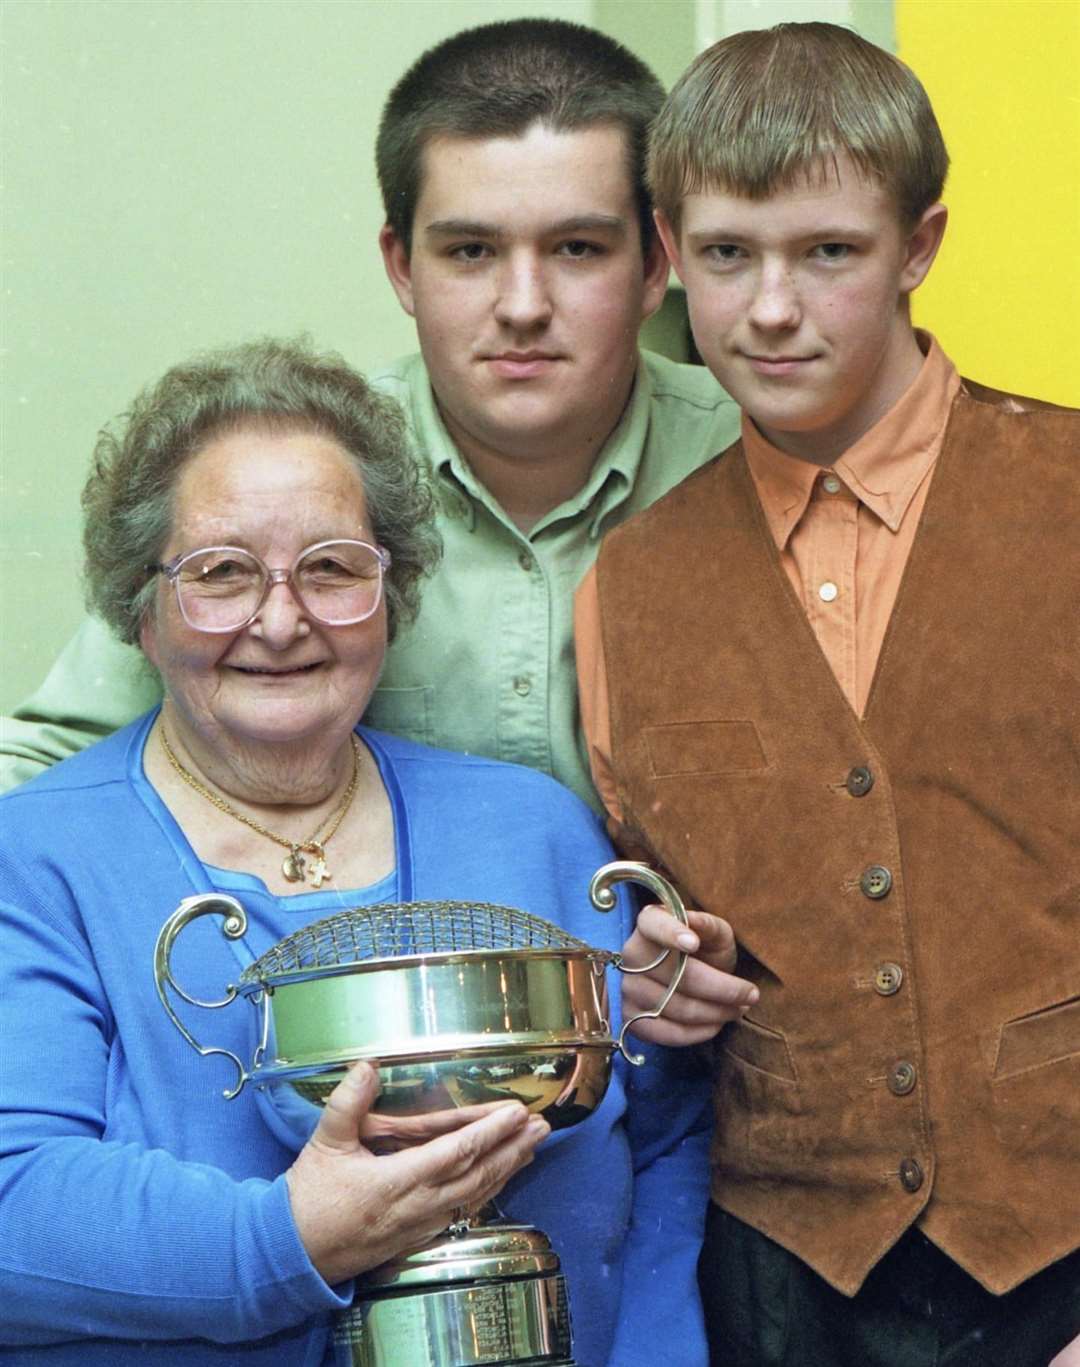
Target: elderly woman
{"type": "Point", "coordinates": [258, 527]}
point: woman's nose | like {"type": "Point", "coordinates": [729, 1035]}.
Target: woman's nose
{"type": "Point", "coordinates": [282, 618]}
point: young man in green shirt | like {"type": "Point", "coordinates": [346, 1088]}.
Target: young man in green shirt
{"type": "Point", "coordinates": [519, 236]}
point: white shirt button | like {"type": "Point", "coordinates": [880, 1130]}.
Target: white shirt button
{"type": "Point", "coordinates": [831, 484]}
{"type": "Point", "coordinates": [828, 591]}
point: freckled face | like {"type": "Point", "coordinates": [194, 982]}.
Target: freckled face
{"type": "Point", "coordinates": [528, 284]}
{"type": "Point", "coordinates": [798, 304]}
{"type": "Point", "coordinates": [285, 677]}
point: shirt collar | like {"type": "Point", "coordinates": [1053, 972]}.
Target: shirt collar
{"type": "Point", "coordinates": [610, 480]}
{"type": "Point", "coordinates": [884, 467]}
{"type": "Point", "coordinates": [619, 459]}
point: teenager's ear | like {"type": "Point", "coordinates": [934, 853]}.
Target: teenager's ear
{"type": "Point", "coordinates": [670, 238]}
{"type": "Point", "coordinates": [657, 271]}
{"type": "Point", "coordinates": [395, 257]}
{"type": "Point", "coordinates": [922, 246]}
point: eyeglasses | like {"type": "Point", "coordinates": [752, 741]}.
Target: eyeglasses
{"type": "Point", "coordinates": [223, 588]}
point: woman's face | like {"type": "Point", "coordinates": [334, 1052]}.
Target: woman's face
{"type": "Point", "coordinates": [285, 677]}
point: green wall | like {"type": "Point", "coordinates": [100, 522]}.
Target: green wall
{"type": "Point", "coordinates": [178, 174]}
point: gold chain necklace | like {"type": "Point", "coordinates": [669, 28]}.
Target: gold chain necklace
{"type": "Point", "coordinates": [294, 865]}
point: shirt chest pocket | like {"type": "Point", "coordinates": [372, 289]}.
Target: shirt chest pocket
{"type": "Point", "coordinates": [407, 712]}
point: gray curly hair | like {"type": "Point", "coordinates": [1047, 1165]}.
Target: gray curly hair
{"type": "Point", "coordinates": [128, 498]}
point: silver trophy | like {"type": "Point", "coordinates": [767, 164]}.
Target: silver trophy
{"type": "Point", "coordinates": [454, 1003]}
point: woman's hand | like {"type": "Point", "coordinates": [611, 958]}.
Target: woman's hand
{"type": "Point", "coordinates": [391, 1133]}
{"type": "Point", "coordinates": [709, 995]}
{"type": "Point", "coordinates": [354, 1210]}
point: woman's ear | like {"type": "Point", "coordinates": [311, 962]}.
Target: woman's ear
{"type": "Point", "coordinates": [148, 637]}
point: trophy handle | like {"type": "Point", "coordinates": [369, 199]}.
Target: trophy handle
{"type": "Point", "coordinates": [603, 899]}
{"type": "Point", "coordinates": [234, 925]}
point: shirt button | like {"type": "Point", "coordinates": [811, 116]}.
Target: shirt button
{"type": "Point", "coordinates": [523, 685]}
{"type": "Point", "coordinates": [875, 882]}
{"type": "Point", "coordinates": [911, 1175]}
{"type": "Point", "coordinates": [887, 979]}
{"type": "Point", "coordinates": [526, 562]}
{"type": "Point", "coordinates": [828, 591]}
{"type": "Point", "coordinates": [831, 484]}
{"type": "Point", "coordinates": [859, 781]}
{"type": "Point", "coordinates": [902, 1078]}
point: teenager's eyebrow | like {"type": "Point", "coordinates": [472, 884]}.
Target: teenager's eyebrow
{"type": "Point", "coordinates": [460, 227]}
{"type": "Point", "coordinates": [590, 223]}
{"type": "Point", "coordinates": [826, 232]}
{"type": "Point", "coordinates": [611, 224]}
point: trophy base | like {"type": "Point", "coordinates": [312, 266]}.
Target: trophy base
{"type": "Point", "coordinates": [493, 1295]}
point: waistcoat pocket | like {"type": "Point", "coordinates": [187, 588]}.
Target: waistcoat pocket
{"type": "Point", "coordinates": [761, 1047]}
{"type": "Point", "coordinates": [705, 747]}
{"type": "Point", "coordinates": [1046, 1036]}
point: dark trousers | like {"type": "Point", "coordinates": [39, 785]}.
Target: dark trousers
{"type": "Point", "coordinates": [917, 1308]}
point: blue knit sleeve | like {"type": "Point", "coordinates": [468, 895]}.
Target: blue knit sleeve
{"type": "Point", "coordinates": [101, 1237]}
{"type": "Point", "coordinates": [669, 1124]}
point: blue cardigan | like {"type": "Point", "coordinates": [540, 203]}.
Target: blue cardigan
{"type": "Point", "coordinates": [144, 1218]}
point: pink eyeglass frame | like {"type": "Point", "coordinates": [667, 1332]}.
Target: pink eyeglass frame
{"type": "Point", "coordinates": [171, 571]}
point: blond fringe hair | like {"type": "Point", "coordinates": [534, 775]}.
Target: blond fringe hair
{"type": "Point", "coordinates": [764, 109]}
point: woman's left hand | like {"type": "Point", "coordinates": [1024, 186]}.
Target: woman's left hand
{"type": "Point", "coordinates": [390, 1134]}
{"type": "Point", "coordinates": [354, 1209]}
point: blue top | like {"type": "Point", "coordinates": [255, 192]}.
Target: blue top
{"type": "Point", "coordinates": [144, 1218]}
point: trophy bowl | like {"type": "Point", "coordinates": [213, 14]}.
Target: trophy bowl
{"type": "Point", "coordinates": [453, 1003]}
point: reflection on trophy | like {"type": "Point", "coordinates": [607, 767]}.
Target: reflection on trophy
{"type": "Point", "coordinates": [454, 1003]}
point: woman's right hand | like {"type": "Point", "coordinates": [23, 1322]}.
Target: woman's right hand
{"type": "Point", "coordinates": [354, 1210]}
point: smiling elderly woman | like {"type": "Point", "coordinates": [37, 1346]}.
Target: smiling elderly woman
{"type": "Point", "coordinates": [258, 525]}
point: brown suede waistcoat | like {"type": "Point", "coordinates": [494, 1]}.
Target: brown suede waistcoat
{"type": "Point", "coordinates": [914, 1055]}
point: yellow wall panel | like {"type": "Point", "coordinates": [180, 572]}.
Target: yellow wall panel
{"type": "Point", "coordinates": [1004, 78]}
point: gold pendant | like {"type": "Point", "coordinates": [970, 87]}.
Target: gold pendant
{"type": "Point", "coordinates": [320, 873]}
{"type": "Point", "coordinates": [292, 866]}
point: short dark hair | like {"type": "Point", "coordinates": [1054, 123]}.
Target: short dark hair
{"type": "Point", "coordinates": [280, 385]}
{"type": "Point", "coordinates": [500, 79]}
{"type": "Point", "coordinates": [757, 111]}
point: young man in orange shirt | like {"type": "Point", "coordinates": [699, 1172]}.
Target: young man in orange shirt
{"type": "Point", "coordinates": [822, 680]}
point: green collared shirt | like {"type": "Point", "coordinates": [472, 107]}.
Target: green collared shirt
{"type": "Point", "coordinates": [488, 666]}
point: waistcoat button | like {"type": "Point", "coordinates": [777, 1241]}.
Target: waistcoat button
{"type": "Point", "coordinates": [859, 781]}
{"type": "Point", "coordinates": [902, 1078]}
{"type": "Point", "coordinates": [875, 882]}
{"type": "Point", "coordinates": [887, 979]}
{"type": "Point", "coordinates": [911, 1175]}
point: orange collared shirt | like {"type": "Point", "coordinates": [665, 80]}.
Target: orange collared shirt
{"type": "Point", "coordinates": [843, 533]}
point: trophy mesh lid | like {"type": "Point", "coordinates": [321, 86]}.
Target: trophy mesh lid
{"type": "Point", "coordinates": [406, 930]}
